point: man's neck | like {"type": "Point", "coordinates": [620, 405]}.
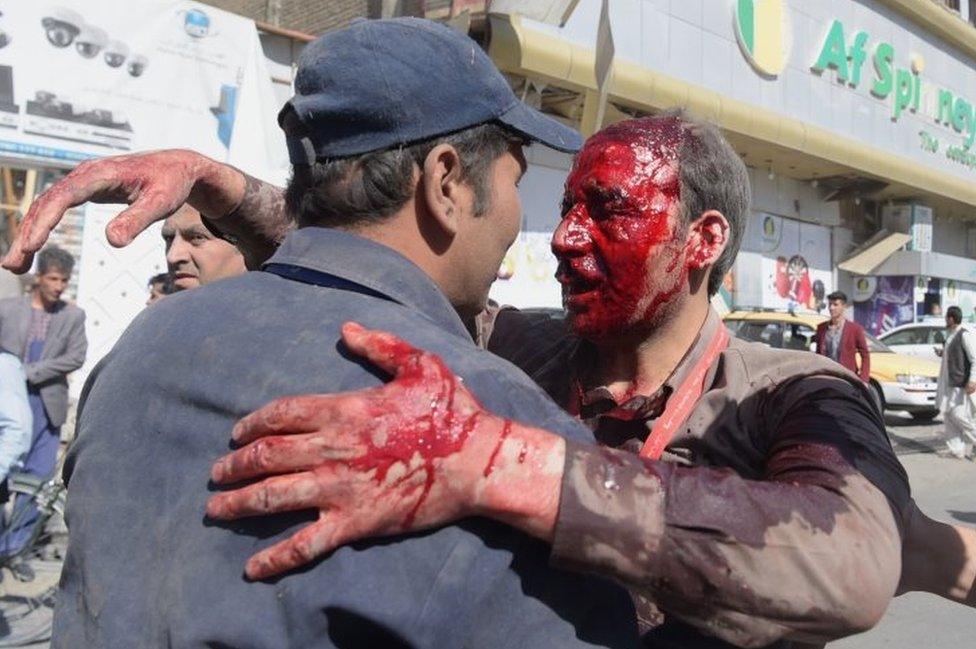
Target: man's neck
{"type": "Point", "coordinates": [38, 302]}
{"type": "Point", "coordinates": [641, 365]}
{"type": "Point", "coordinates": [838, 321]}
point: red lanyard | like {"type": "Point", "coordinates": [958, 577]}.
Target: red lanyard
{"type": "Point", "coordinates": [683, 401]}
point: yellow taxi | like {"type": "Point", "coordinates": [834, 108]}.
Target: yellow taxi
{"type": "Point", "coordinates": [899, 381]}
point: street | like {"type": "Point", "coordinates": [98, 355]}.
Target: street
{"type": "Point", "coordinates": [943, 487]}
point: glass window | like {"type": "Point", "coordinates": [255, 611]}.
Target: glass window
{"type": "Point", "coordinates": [797, 336]}
{"type": "Point", "coordinates": [913, 336]}
{"type": "Point", "coordinates": [770, 333]}
{"type": "Point", "coordinates": [937, 336]}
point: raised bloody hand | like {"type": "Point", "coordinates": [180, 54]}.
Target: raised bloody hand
{"type": "Point", "coordinates": [417, 452]}
{"type": "Point", "coordinates": [154, 185]}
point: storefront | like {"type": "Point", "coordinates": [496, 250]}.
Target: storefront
{"type": "Point", "coordinates": [847, 115]}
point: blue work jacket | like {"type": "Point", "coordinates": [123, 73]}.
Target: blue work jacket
{"type": "Point", "coordinates": [145, 568]}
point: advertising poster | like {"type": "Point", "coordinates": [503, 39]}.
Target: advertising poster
{"type": "Point", "coordinates": [527, 277]}
{"type": "Point", "coordinates": [883, 303]}
{"type": "Point", "coordinates": [84, 79]}
{"type": "Point", "coordinates": [794, 263]}
{"type": "Point", "coordinates": [962, 295]}
{"type": "Point", "coordinates": [91, 78]}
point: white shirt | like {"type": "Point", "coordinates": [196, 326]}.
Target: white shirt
{"type": "Point", "coordinates": [948, 396]}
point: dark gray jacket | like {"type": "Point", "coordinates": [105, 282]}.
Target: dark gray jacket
{"type": "Point", "coordinates": [64, 350]}
{"type": "Point", "coordinates": [958, 360]}
{"type": "Point", "coordinates": [145, 569]}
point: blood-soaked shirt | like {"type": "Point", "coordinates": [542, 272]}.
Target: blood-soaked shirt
{"type": "Point", "coordinates": [774, 516]}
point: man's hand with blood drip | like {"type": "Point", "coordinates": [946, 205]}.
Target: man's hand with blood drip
{"type": "Point", "coordinates": [408, 455]}
{"type": "Point", "coordinates": [154, 185]}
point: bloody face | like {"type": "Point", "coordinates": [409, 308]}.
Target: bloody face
{"type": "Point", "coordinates": [621, 242]}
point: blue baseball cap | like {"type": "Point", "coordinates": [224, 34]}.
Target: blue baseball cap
{"type": "Point", "coordinates": [379, 84]}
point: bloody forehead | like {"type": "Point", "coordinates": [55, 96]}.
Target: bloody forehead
{"type": "Point", "coordinates": [632, 152]}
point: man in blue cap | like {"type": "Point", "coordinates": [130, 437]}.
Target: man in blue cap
{"type": "Point", "coordinates": [405, 194]}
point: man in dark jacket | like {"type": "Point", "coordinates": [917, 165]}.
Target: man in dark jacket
{"type": "Point", "coordinates": [843, 340]}
{"type": "Point", "coordinates": [406, 192]}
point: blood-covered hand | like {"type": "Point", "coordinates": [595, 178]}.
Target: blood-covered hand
{"type": "Point", "coordinates": [415, 453]}
{"type": "Point", "coordinates": [154, 185]}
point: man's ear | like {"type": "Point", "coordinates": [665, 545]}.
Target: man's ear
{"type": "Point", "coordinates": [708, 236]}
{"type": "Point", "coordinates": [442, 187]}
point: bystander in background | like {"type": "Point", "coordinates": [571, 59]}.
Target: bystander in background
{"type": "Point", "coordinates": [48, 334]}
{"type": "Point", "coordinates": [957, 383]}
{"type": "Point", "coordinates": [15, 414]}
{"type": "Point", "coordinates": [843, 340]}
{"type": "Point", "coordinates": [159, 286]}
{"type": "Point", "coordinates": [195, 255]}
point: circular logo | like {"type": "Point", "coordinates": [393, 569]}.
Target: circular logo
{"type": "Point", "coordinates": [762, 29]}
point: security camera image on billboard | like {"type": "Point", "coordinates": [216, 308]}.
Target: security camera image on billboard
{"type": "Point", "coordinates": [52, 116]}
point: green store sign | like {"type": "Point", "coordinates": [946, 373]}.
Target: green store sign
{"type": "Point", "coordinates": [847, 56]}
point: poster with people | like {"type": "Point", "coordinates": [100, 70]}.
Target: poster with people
{"type": "Point", "coordinates": [790, 267]}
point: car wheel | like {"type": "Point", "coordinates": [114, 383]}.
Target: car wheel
{"type": "Point", "coordinates": [924, 415]}
{"type": "Point", "coordinates": [879, 399]}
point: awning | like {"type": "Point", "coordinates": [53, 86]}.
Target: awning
{"type": "Point", "coordinates": [874, 254]}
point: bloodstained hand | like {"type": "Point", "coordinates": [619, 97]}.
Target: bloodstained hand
{"type": "Point", "coordinates": [380, 461]}
{"type": "Point", "coordinates": [154, 184]}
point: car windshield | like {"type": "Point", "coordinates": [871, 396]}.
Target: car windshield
{"type": "Point", "coordinates": [876, 346]}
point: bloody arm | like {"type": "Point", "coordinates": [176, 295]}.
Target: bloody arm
{"type": "Point", "coordinates": [155, 185]}
{"type": "Point", "coordinates": [258, 223]}
{"type": "Point", "coordinates": [415, 453]}
{"type": "Point", "coordinates": [809, 551]}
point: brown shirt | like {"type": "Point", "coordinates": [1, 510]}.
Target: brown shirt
{"type": "Point", "coordinates": [774, 515]}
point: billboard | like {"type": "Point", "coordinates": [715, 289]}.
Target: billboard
{"type": "Point", "coordinates": [83, 79]}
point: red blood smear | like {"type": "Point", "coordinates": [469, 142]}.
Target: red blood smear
{"type": "Point", "coordinates": [621, 243]}
{"type": "Point", "coordinates": [437, 433]}
{"type": "Point", "coordinates": [506, 429]}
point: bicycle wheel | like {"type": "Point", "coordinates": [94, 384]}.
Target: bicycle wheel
{"type": "Point", "coordinates": [31, 497]}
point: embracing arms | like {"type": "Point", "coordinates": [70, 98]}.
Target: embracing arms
{"type": "Point", "coordinates": [692, 539]}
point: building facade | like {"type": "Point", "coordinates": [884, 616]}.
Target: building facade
{"type": "Point", "coordinates": [856, 119]}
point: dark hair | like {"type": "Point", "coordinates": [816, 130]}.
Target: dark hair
{"type": "Point", "coordinates": [954, 313]}
{"type": "Point", "coordinates": [837, 295]}
{"type": "Point", "coordinates": [53, 257]}
{"type": "Point", "coordinates": [166, 280]}
{"type": "Point", "coordinates": [713, 177]}
{"type": "Point", "coordinates": [370, 187]}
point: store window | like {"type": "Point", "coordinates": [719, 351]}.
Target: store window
{"type": "Point", "coordinates": [930, 304]}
